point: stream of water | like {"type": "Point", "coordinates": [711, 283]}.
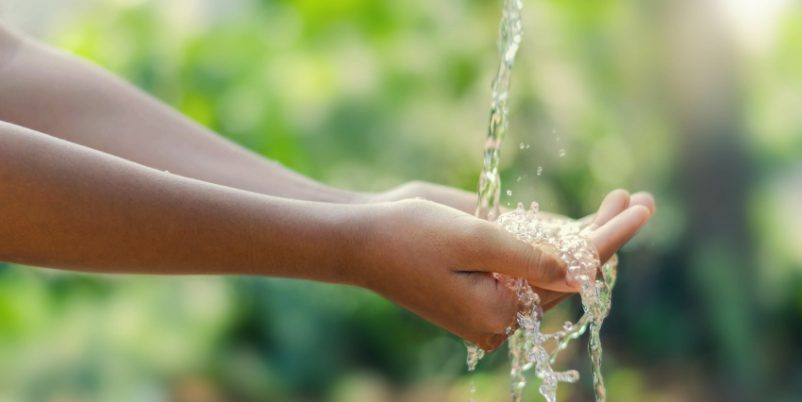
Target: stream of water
{"type": "Point", "coordinates": [510, 35]}
{"type": "Point", "coordinates": [529, 346]}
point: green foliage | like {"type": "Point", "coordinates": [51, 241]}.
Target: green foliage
{"type": "Point", "coordinates": [366, 94]}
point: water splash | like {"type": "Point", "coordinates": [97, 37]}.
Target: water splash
{"type": "Point", "coordinates": [510, 35]}
{"type": "Point", "coordinates": [529, 346]}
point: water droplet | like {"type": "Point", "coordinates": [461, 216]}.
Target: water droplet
{"type": "Point", "coordinates": [539, 170]}
{"type": "Point", "coordinates": [522, 145]}
{"type": "Point", "coordinates": [562, 152]}
{"type": "Point", "coordinates": [472, 391]}
{"type": "Point", "coordinates": [509, 193]}
{"type": "Point", "coordinates": [518, 179]}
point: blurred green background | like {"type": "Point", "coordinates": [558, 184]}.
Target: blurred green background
{"type": "Point", "coordinates": [699, 102]}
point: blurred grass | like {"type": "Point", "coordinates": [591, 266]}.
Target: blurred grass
{"type": "Point", "coordinates": [367, 94]}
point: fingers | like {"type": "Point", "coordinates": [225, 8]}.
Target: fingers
{"type": "Point", "coordinates": [538, 265]}
{"type": "Point", "coordinates": [613, 204]}
{"type": "Point", "coordinates": [611, 238]}
{"type": "Point", "coordinates": [550, 298]}
{"type": "Point", "coordinates": [546, 271]}
{"type": "Point", "coordinates": [615, 233]}
{"type": "Point", "coordinates": [640, 198]}
{"type": "Point", "coordinates": [543, 268]}
{"type": "Point", "coordinates": [493, 309]}
{"type": "Point", "coordinates": [643, 198]}
{"type": "Point", "coordinates": [619, 218]}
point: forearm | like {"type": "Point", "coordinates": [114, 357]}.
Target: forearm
{"type": "Point", "coordinates": [62, 96]}
{"type": "Point", "coordinates": [67, 206]}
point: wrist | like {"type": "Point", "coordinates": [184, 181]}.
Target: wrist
{"type": "Point", "coordinates": [364, 245]}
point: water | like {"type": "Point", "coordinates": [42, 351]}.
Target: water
{"type": "Point", "coordinates": [510, 35]}
{"type": "Point", "coordinates": [531, 348]}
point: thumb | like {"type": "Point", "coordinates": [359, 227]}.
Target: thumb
{"type": "Point", "coordinates": [540, 266]}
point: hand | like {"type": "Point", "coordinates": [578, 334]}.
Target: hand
{"type": "Point", "coordinates": [618, 219]}
{"type": "Point", "coordinates": [449, 196]}
{"type": "Point", "coordinates": [437, 262]}
{"type": "Point", "coordinates": [615, 203]}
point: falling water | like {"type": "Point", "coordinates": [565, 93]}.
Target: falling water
{"type": "Point", "coordinates": [529, 346]}
{"type": "Point", "coordinates": [510, 35]}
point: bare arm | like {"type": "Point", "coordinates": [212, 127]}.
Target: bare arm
{"type": "Point", "coordinates": [67, 206]}
{"type": "Point", "coordinates": [60, 95]}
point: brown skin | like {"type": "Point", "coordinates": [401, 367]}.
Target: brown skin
{"type": "Point", "coordinates": [52, 92]}
{"type": "Point", "coordinates": [615, 203]}
{"type": "Point", "coordinates": [108, 206]}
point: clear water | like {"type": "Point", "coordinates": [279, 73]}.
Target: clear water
{"type": "Point", "coordinates": [531, 348]}
{"type": "Point", "coordinates": [510, 35]}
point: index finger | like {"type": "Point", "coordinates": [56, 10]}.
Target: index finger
{"type": "Point", "coordinates": [615, 233]}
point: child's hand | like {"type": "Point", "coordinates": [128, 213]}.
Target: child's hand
{"type": "Point", "coordinates": [437, 262]}
{"type": "Point", "coordinates": [615, 202]}
{"type": "Point", "coordinates": [616, 221]}
{"type": "Point", "coordinates": [452, 197]}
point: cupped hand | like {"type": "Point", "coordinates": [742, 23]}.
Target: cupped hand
{"type": "Point", "coordinates": [438, 261]}
{"type": "Point", "coordinates": [607, 239]}
{"type": "Point", "coordinates": [619, 217]}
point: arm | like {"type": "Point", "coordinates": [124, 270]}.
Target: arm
{"type": "Point", "coordinates": [55, 93]}
{"type": "Point", "coordinates": [63, 96]}
{"type": "Point", "coordinates": [66, 206]}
